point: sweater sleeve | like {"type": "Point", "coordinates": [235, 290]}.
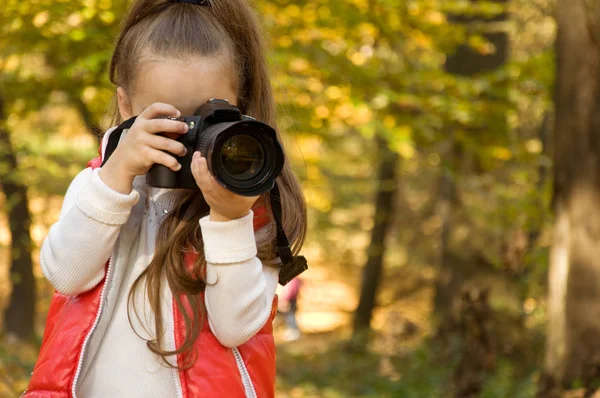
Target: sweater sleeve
{"type": "Point", "coordinates": [240, 290]}
{"type": "Point", "coordinates": [74, 253]}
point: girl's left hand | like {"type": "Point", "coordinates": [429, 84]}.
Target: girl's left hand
{"type": "Point", "coordinates": [224, 204]}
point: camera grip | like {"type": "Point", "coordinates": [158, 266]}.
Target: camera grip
{"type": "Point", "coordinates": [161, 177]}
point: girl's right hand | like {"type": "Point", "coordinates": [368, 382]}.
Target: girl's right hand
{"type": "Point", "coordinates": [141, 147]}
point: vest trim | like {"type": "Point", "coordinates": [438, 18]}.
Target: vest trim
{"type": "Point", "coordinates": [109, 268]}
{"type": "Point", "coordinates": [246, 379]}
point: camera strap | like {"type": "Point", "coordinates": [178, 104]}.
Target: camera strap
{"type": "Point", "coordinates": [115, 136]}
{"type": "Point", "coordinates": [291, 266]}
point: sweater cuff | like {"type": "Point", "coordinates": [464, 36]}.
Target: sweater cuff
{"type": "Point", "coordinates": [101, 203]}
{"type": "Point", "coordinates": [228, 241]}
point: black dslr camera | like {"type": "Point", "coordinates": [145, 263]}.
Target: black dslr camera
{"type": "Point", "coordinates": [242, 153]}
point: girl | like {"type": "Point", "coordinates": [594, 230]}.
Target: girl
{"type": "Point", "coordinates": [168, 293]}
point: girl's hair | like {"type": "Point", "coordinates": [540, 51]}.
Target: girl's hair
{"type": "Point", "coordinates": [224, 28]}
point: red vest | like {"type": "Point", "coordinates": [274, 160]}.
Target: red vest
{"type": "Point", "coordinates": [215, 373]}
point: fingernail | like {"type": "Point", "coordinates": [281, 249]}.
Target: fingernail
{"type": "Point", "coordinates": [178, 167]}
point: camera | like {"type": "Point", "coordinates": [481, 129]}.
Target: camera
{"type": "Point", "coordinates": [242, 153]}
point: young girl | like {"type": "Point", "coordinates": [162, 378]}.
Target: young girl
{"type": "Point", "coordinates": [168, 293]}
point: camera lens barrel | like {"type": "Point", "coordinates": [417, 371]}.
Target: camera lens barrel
{"type": "Point", "coordinates": [244, 156]}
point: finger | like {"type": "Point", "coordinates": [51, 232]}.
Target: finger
{"type": "Point", "coordinates": [159, 157]}
{"type": "Point", "coordinates": [201, 173]}
{"type": "Point", "coordinates": [159, 109]}
{"type": "Point", "coordinates": [166, 144]}
{"type": "Point", "coordinates": [164, 126]}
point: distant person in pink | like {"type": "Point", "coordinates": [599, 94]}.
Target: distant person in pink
{"type": "Point", "coordinates": [288, 306]}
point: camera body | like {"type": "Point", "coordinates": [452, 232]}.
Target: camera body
{"type": "Point", "coordinates": [242, 153]}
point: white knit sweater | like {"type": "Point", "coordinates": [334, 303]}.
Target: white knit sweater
{"type": "Point", "coordinates": [95, 222]}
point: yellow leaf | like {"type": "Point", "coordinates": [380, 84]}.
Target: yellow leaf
{"type": "Point", "coordinates": [310, 146]}
{"type": "Point", "coordinates": [282, 19]}
{"type": "Point", "coordinates": [269, 8]}
{"type": "Point", "coordinates": [414, 9]}
{"type": "Point", "coordinates": [317, 199]}
{"type": "Point", "coordinates": [389, 122]}
{"type": "Point", "coordinates": [105, 4]}
{"type": "Point", "coordinates": [501, 153]}
{"type": "Point", "coordinates": [40, 19]}
{"type": "Point", "coordinates": [107, 17]}
{"type": "Point", "coordinates": [313, 173]}
{"type": "Point", "coordinates": [89, 93]}
{"type": "Point", "coordinates": [316, 123]}
{"type": "Point", "coordinates": [12, 63]}
{"type": "Point", "coordinates": [299, 65]}
{"type": "Point", "coordinates": [534, 146]}
{"type": "Point", "coordinates": [367, 29]}
{"type": "Point", "coordinates": [74, 20]}
{"type": "Point", "coordinates": [334, 92]}
{"type": "Point", "coordinates": [88, 13]}
{"type": "Point", "coordinates": [322, 112]}
{"type": "Point", "coordinates": [363, 115]}
{"type": "Point", "coordinates": [77, 35]}
{"type": "Point", "coordinates": [315, 85]}
{"type": "Point", "coordinates": [435, 18]}
{"type": "Point", "coordinates": [401, 141]}
{"type": "Point", "coordinates": [406, 150]}
{"type": "Point", "coordinates": [358, 59]}
{"type": "Point", "coordinates": [303, 99]}
{"type": "Point", "coordinates": [285, 41]}
{"type": "Point", "coordinates": [394, 22]}
{"type": "Point", "coordinates": [344, 111]}
{"type": "Point", "coordinates": [324, 12]}
{"type": "Point", "coordinates": [293, 10]}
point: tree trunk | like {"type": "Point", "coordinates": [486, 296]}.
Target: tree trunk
{"type": "Point", "coordinates": [573, 340]}
{"type": "Point", "coordinates": [450, 277]}
{"type": "Point", "coordinates": [464, 315]}
{"type": "Point", "coordinates": [20, 313]}
{"type": "Point", "coordinates": [383, 214]}
{"type": "Point", "coordinates": [455, 261]}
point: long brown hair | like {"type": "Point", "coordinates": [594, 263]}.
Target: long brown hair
{"type": "Point", "coordinates": [178, 30]}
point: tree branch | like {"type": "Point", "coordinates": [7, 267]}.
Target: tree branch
{"type": "Point", "coordinates": [593, 18]}
{"type": "Point", "coordinates": [86, 115]}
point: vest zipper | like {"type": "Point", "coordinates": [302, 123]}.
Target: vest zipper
{"type": "Point", "coordinates": [89, 335]}
{"type": "Point", "coordinates": [175, 375]}
{"type": "Point", "coordinates": [246, 380]}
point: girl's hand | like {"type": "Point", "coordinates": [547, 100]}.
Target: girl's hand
{"type": "Point", "coordinates": [224, 204]}
{"type": "Point", "coordinates": [141, 147]}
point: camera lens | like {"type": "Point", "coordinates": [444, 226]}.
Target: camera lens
{"type": "Point", "coordinates": [242, 157]}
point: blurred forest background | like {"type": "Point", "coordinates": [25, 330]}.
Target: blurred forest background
{"type": "Point", "coordinates": [454, 200]}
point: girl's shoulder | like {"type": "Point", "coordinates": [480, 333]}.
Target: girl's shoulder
{"type": "Point", "coordinates": [97, 161]}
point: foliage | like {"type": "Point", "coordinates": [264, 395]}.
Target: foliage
{"type": "Point", "coordinates": [420, 373]}
{"type": "Point", "coordinates": [346, 70]}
